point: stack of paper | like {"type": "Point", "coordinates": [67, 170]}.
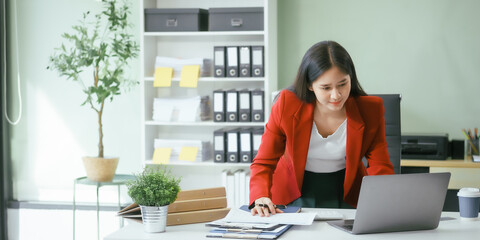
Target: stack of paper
{"type": "Point", "coordinates": [238, 215]}
{"type": "Point", "coordinates": [177, 64]}
{"type": "Point", "coordinates": [184, 150]}
{"type": "Point", "coordinates": [261, 232]}
{"type": "Point", "coordinates": [239, 223]}
{"type": "Point", "coordinates": [191, 206]}
{"type": "Point", "coordinates": [181, 109]}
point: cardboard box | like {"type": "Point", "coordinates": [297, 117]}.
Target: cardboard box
{"type": "Point", "coordinates": [196, 216]}
{"type": "Point", "coordinates": [201, 193]}
{"type": "Point", "coordinates": [197, 204]}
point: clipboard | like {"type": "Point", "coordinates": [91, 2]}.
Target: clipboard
{"type": "Point", "coordinates": [232, 225]}
{"type": "Point", "coordinates": [246, 233]}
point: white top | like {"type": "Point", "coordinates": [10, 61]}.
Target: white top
{"type": "Point", "coordinates": [327, 154]}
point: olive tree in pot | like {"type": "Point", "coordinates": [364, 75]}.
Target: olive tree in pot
{"type": "Point", "coordinates": [102, 46]}
{"type": "Point", "coordinates": [154, 189]}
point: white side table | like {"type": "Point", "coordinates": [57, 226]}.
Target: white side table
{"type": "Point", "coordinates": [118, 180]}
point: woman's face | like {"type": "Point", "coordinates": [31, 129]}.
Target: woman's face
{"type": "Point", "coordinates": [332, 89]}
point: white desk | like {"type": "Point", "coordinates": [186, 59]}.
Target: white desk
{"type": "Point", "coordinates": [448, 229]}
{"type": "Point", "coordinates": [464, 172]}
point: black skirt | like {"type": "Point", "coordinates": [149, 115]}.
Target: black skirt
{"type": "Point", "coordinates": [322, 190]}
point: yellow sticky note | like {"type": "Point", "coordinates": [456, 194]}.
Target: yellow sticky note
{"type": "Point", "coordinates": [163, 77]}
{"type": "Point", "coordinates": [161, 155]}
{"type": "Point", "coordinates": [188, 154]}
{"type": "Point", "coordinates": [189, 76]}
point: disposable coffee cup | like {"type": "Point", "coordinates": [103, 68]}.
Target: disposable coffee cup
{"type": "Point", "coordinates": [469, 202]}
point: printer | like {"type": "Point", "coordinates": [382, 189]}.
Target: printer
{"type": "Point", "coordinates": [429, 147]}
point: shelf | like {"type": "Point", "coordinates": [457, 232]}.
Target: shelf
{"type": "Point", "coordinates": [456, 163]}
{"type": "Point", "coordinates": [207, 123]}
{"type": "Point", "coordinates": [198, 164]}
{"type": "Point", "coordinates": [205, 33]}
{"type": "Point", "coordinates": [214, 79]}
{"type": "Point", "coordinates": [200, 44]}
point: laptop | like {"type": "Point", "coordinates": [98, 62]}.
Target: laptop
{"type": "Point", "coordinates": [394, 203]}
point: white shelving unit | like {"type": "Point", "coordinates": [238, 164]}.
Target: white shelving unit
{"type": "Point", "coordinates": [206, 123]}
{"type": "Point", "coordinates": [213, 79]}
{"type": "Point", "coordinates": [206, 33]}
{"type": "Point", "coordinates": [194, 45]}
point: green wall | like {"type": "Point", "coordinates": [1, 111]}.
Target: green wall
{"type": "Point", "coordinates": [426, 50]}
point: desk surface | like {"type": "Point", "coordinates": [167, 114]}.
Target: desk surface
{"type": "Point", "coordinates": [453, 163]}
{"type": "Point", "coordinates": [447, 229]}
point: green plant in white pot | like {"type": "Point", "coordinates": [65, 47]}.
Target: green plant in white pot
{"type": "Point", "coordinates": [154, 189]}
{"type": "Point", "coordinates": [101, 46]}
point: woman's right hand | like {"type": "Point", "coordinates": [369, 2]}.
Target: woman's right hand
{"type": "Point", "coordinates": [264, 206]}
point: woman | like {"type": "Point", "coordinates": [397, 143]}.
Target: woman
{"type": "Point", "coordinates": [317, 134]}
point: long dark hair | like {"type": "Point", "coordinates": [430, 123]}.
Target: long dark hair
{"type": "Point", "coordinates": [319, 58]}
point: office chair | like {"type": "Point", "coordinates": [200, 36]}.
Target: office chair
{"type": "Point", "coordinates": [391, 103]}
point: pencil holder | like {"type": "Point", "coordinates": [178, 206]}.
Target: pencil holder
{"type": "Point", "coordinates": [470, 151]}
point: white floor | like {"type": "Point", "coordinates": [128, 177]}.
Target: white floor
{"type": "Point", "coordinates": [51, 224]}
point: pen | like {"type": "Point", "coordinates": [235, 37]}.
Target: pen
{"type": "Point", "coordinates": [276, 206]}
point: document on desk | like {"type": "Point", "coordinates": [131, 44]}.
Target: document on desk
{"type": "Point", "coordinates": [238, 215]}
{"type": "Point", "coordinates": [248, 233]}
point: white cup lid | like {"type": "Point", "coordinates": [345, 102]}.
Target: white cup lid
{"type": "Point", "coordinates": [469, 192]}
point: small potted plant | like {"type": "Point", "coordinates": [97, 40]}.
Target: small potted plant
{"type": "Point", "coordinates": [102, 46]}
{"type": "Point", "coordinates": [154, 189]}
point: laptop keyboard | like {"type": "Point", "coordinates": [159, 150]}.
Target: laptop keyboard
{"type": "Point", "coordinates": [348, 227]}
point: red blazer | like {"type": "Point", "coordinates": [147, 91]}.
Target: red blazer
{"type": "Point", "coordinates": [277, 170]}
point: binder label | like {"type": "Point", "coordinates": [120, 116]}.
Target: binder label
{"type": "Point", "coordinates": [244, 101]}
{"type": "Point", "coordinates": [218, 102]}
{"type": "Point", "coordinates": [257, 58]}
{"type": "Point", "coordinates": [257, 138]}
{"type": "Point", "coordinates": [257, 102]}
{"type": "Point", "coordinates": [232, 56]}
{"type": "Point", "coordinates": [231, 102]}
{"type": "Point", "coordinates": [245, 142]}
{"type": "Point", "coordinates": [219, 58]}
{"type": "Point", "coordinates": [232, 142]}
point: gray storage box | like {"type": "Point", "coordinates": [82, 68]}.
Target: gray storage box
{"type": "Point", "coordinates": [175, 19]}
{"type": "Point", "coordinates": [235, 19]}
